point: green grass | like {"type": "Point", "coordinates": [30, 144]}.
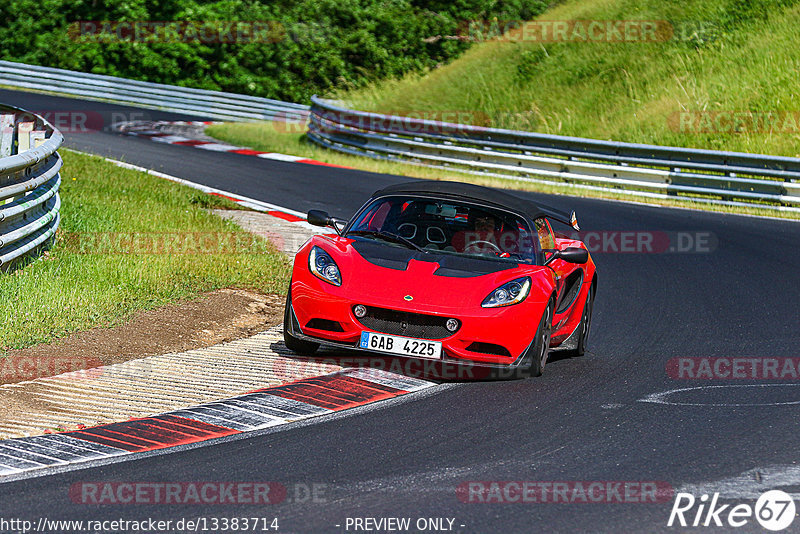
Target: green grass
{"type": "Point", "coordinates": [82, 283]}
{"type": "Point", "coordinates": [745, 60]}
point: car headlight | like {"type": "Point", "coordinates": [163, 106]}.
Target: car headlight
{"type": "Point", "coordinates": [322, 265]}
{"type": "Point", "coordinates": [512, 292]}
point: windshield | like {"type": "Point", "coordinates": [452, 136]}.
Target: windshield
{"type": "Point", "coordinates": [446, 226]}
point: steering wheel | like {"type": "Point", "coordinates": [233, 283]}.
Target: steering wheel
{"type": "Point", "coordinates": [492, 245]}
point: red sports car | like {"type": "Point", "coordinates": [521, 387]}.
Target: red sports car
{"type": "Point", "coordinates": [446, 271]}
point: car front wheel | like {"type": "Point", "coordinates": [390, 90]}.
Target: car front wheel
{"type": "Point", "coordinates": [541, 344]}
{"type": "Point", "coordinates": [584, 326]}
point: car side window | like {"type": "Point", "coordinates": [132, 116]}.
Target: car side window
{"type": "Point", "coordinates": [545, 233]}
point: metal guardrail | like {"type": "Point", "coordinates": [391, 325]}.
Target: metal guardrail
{"type": "Point", "coordinates": [29, 181]}
{"type": "Point", "coordinates": [214, 104]}
{"type": "Point", "coordinates": [716, 177]}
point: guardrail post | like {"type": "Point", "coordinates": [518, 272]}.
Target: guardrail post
{"type": "Point", "coordinates": [24, 130]}
{"type": "Point", "coordinates": [6, 134]}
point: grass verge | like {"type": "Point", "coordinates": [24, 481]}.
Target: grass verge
{"type": "Point", "coordinates": [128, 241]}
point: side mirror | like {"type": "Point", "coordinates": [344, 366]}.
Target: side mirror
{"type": "Point", "coordinates": [318, 218]}
{"type": "Point", "coordinates": [321, 218]}
{"type": "Point", "coordinates": [570, 255]}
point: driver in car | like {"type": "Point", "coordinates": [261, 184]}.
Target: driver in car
{"type": "Point", "coordinates": [486, 237]}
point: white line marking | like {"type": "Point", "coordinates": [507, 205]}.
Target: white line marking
{"type": "Point", "coordinates": [291, 406]}
{"type": "Point", "coordinates": [210, 419]}
{"type": "Point", "coordinates": [78, 444]}
{"type": "Point", "coordinates": [29, 454]}
{"type": "Point", "coordinates": [254, 408]}
{"type": "Point", "coordinates": [18, 462]}
{"type": "Point", "coordinates": [51, 451]}
{"type": "Point", "coordinates": [216, 147]}
{"type": "Point", "coordinates": [388, 379]}
{"type": "Point", "coordinates": [661, 397]}
{"type": "Point", "coordinates": [8, 470]}
{"type": "Point", "coordinates": [237, 413]}
{"type": "Point", "coordinates": [280, 157]}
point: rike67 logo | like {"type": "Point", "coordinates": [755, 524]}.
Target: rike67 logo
{"type": "Point", "coordinates": [774, 510]}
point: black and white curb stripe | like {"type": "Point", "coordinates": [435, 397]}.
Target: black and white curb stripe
{"type": "Point", "coordinates": [258, 409]}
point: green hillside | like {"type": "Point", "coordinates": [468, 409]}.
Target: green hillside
{"type": "Point", "coordinates": [726, 76]}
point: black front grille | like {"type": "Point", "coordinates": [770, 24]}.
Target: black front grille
{"type": "Point", "coordinates": [407, 324]}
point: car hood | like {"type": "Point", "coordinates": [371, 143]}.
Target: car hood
{"type": "Point", "coordinates": [386, 275]}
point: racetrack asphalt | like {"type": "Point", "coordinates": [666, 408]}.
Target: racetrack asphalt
{"type": "Point", "coordinates": [584, 420]}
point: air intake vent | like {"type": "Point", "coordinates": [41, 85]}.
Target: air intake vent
{"type": "Point", "coordinates": [325, 324]}
{"type": "Point", "coordinates": [488, 348]}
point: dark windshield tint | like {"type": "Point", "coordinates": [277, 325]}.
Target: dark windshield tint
{"type": "Point", "coordinates": [448, 227]}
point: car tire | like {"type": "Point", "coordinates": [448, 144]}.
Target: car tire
{"type": "Point", "coordinates": [540, 346]}
{"type": "Point", "coordinates": [584, 326]}
{"type": "Point", "coordinates": [298, 346]}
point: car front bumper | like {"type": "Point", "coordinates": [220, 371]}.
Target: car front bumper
{"type": "Point", "coordinates": [511, 328]}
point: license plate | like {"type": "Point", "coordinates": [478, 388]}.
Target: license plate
{"type": "Point", "coordinates": [419, 348]}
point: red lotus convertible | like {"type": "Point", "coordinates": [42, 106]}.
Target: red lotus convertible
{"type": "Point", "coordinates": [445, 271]}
